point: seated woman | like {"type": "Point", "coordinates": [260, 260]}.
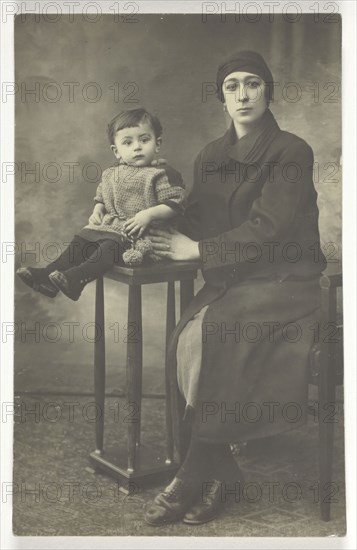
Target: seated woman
{"type": "Point", "coordinates": [242, 344]}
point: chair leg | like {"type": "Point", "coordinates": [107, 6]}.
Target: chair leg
{"type": "Point", "coordinates": [99, 363]}
{"type": "Point", "coordinates": [327, 404]}
{"type": "Point", "coordinates": [327, 398]}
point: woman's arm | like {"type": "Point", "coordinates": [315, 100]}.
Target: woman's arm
{"type": "Point", "coordinates": [269, 221]}
{"type": "Point", "coordinates": [182, 245]}
{"type": "Point", "coordinates": [190, 222]}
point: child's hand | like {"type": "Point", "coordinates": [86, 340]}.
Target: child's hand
{"type": "Point", "coordinates": [97, 215]}
{"type": "Point", "coordinates": [137, 225]}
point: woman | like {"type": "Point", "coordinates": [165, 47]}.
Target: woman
{"type": "Point", "coordinates": [242, 344]}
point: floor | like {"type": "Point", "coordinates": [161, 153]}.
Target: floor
{"type": "Point", "coordinates": [58, 493]}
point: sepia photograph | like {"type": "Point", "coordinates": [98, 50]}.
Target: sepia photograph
{"type": "Point", "coordinates": [176, 314]}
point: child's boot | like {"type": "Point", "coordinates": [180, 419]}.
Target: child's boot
{"type": "Point", "coordinates": [37, 279]}
{"type": "Point", "coordinates": [70, 286]}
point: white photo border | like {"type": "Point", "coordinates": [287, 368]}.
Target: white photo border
{"type": "Point", "coordinates": [8, 541]}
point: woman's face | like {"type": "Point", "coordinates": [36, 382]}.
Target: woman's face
{"type": "Point", "coordinates": [244, 96]}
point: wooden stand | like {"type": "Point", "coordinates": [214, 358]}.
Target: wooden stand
{"type": "Point", "coordinates": [138, 465]}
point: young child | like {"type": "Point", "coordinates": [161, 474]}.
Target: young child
{"type": "Point", "coordinates": [131, 196]}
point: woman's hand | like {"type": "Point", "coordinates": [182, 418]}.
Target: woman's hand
{"type": "Point", "coordinates": [97, 214]}
{"type": "Point", "coordinates": [173, 245]}
{"type": "Point", "coordinates": [137, 225]}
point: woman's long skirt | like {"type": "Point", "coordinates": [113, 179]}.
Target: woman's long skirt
{"type": "Point", "coordinates": [242, 356]}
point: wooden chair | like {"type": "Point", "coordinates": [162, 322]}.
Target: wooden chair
{"type": "Point", "coordinates": [325, 371]}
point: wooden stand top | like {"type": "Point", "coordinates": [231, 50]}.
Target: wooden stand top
{"type": "Point", "coordinates": [161, 272]}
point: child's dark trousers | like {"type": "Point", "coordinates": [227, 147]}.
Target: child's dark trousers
{"type": "Point", "coordinates": [84, 261]}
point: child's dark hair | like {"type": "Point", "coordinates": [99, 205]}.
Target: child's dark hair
{"type": "Point", "coordinates": [131, 119]}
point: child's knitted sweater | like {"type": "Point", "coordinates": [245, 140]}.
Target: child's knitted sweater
{"type": "Point", "coordinates": [126, 190]}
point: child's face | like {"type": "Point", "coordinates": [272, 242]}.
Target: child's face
{"type": "Point", "coordinates": [136, 146]}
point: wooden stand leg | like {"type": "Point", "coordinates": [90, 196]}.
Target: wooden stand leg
{"type": "Point", "coordinates": [134, 372]}
{"type": "Point", "coordinates": [99, 364]}
{"type": "Point", "coordinates": [170, 325]}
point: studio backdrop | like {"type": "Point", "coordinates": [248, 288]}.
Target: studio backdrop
{"type": "Point", "coordinates": [72, 77]}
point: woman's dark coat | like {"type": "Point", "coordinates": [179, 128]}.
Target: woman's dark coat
{"type": "Point", "coordinates": [253, 210]}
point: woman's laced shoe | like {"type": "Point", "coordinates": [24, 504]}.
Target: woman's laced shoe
{"type": "Point", "coordinates": [171, 504]}
{"type": "Point", "coordinates": [70, 288]}
{"type": "Point", "coordinates": [208, 505]}
{"type": "Point", "coordinates": [225, 488]}
{"type": "Point", "coordinates": [37, 279]}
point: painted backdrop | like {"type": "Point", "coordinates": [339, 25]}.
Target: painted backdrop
{"type": "Point", "coordinates": [72, 78]}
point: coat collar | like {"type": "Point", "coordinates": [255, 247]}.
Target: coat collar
{"type": "Point", "coordinates": [250, 148]}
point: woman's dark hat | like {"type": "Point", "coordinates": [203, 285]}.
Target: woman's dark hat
{"type": "Point", "coordinates": [249, 62]}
